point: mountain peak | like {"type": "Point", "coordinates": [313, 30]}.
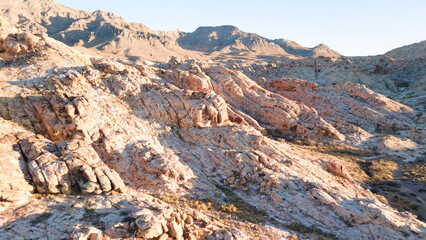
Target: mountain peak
{"type": "Point", "coordinates": [220, 30]}
{"type": "Point", "coordinates": [105, 15]}
{"type": "Point", "coordinates": [221, 27]}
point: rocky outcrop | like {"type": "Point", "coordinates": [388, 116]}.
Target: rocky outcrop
{"type": "Point", "coordinates": [14, 43]}
{"type": "Point", "coordinates": [88, 170]}
{"type": "Point", "coordinates": [244, 94]}
{"type": "Point", "coordinates": [49, 173]}
{"type": "Point", "coordinates": [297, 108]}
{"type": "Point", "coordinates": [15, 181]}
{"type": "Point", "coordinates": [352, 108]}
{"type": "Point", "coordinates": [56, 167]}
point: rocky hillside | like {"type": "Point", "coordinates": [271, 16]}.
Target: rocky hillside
{"type": "Point", "coordinates": [401, 79]}
{"type": "Point", "coordinates": [412, 51]}
{"type": "Point", "coordinates": [99, 148]}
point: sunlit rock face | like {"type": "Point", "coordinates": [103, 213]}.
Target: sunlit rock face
{"type": "Point", "coordinates": [94, 147]}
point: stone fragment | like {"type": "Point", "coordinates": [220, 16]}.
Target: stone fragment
{"type": "Point", "coordinates": [175, 231]}
{"type": "Point", "coordinates": [149, 226]}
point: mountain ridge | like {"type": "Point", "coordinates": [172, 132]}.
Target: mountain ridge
{"type": "Point", "coordinates": [70, 26]}
{"type": "Point", "coordinates": [82, 28]}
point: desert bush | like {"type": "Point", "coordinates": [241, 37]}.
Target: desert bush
{"type": "Point", "coordinates": [415, 172]}
{"type": "Point", "coordinates": [382, 170]}
{"type": "Point", "coordinates": [229, 208]}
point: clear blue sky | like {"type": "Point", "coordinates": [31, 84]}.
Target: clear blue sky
{"type": "Point", "coordinates": [351, 27]}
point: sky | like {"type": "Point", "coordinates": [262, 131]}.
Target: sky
{"type": "Point", "coordinates": [351, 27]}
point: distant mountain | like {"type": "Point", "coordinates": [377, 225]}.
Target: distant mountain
{"type": "Point", "coordinates": [109, 34]}
{"type": "Point", "coordinates": [412, 51]}
{"type": "Point", "coordinates": [44, 15]}
{"type": "Point", "coordinates": [211, 39]}
{"type": "Point", "coordinates": [294, 48]}
{"type": "Point", "coordinates": [231, 39]}
{"type": "Point", "coordinates": [100, 31]}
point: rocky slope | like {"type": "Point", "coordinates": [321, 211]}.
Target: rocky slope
{"type": "Point", "coordinates": [399, 79]}
{"type": "Point", "coordinates": [96, 148]}
{"type": "Point", "coordinates": [412, 51]}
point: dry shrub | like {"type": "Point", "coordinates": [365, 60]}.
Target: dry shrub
{"type": "Point", "coordinates": [382, 170]}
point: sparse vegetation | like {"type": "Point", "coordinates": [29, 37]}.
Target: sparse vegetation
{"type": "Point", "coordinates": [26, 59]}
{"type": "Point", "coordinates": [236, 206]}
{"type": "Point", "coordinates": [354, 163]}
{"type": "Point", "coordinates": [415, 172]}
{"type": "Point", "coordinates": [75, 190]}
{"type": "Point", "coordinates": [229, 208]}
{"type": "Point", "coordinates": [382, 170]}
{"type": "Point", "coordinates": [294, 237]}
{"type": "Point", "coordinates": [298, 227]}
{"type": "Point", "coordinates": [43, 195]}
{"type": "Point", "coordinates": [228, 213]}
{"type": "Point", "coordinates": [154, 130]}
{"type": "Point", "coordinates": [383, 174]}
{"type": "Point", "coordinates": [343, 151]}
{"type": "Point", "coordinates": [100, 225]}
{"type": "Point", "coordinates": [90, 211]}
{"type": "Point", "coordinates": [41, 218]}
{"type": "Point", "coordinates": [245, 211]}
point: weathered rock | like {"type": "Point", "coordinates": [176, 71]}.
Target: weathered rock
{"type": "Point", "coordinates": [163, 236]}
{"type": "Point", "coordinates": [112, 66]}
{"type": "Point", "coordinates": [226, 235]}
{"type": "Point", "coordinates": [15, 178]}
{"type": "Point", "coordinates": [185, 109]}
{"type": "Point", "coordinates": [175, 230]}
{"type": "Point", "coordinates": [336, 169]}
{"type": "Point", "coordinates": [14, 43]}
{"type": "Point", "coordinates": [149, 226]}
{"type": "Point", "coordinates": [88, 170]}
{"type": "Point", "coordinates": [119, 230]}
{"type": "Point", "coordinates": [55, 170]}
{"type": "Point", "coordinates": [88, 233]}
{"type": "Point", "coordinates": [368, 109]}
{"type": "Point", "coordinates": [242, 93]}
{"type": "Point", "coordinates": [49, 172]}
